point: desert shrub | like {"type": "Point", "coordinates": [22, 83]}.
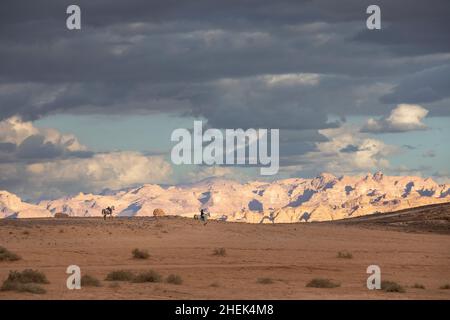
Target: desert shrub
{"type": "Point", "coordinates": [9, 285]}
{"type": "Point", "coordinates": [214, 285]}
{"type": "Point", "coordinates": [344, 255]}
{"type": "Point", "coordinates": [6, 255]}
{"type": "Point", "coordinates": [391, 286]}
{"type": "Point", "coordinates": [445, 287]}
{"type": "Point", "coordinates": [27, 276]}
{"type": "Point", "coordinates": [418, 286]}
{"type": "Point", "coordinates": [264, 280]}
{"type": "Point", "coordinates": [147, 276]}
{"type": "Point", "coordinates": [120, 275]}
{"type": "Point", "coordinates": [140, 254]}
{"type": "Point", "coordinates": [322, 283]}
{"type": "Point", "coordinates": [220, 252]}
{"type": "Point", "coordinates": [89, 281]}
{"type": "Point", "coordinates": [174, 279]}
{"type": "Point", "coordinates": [26, 232]}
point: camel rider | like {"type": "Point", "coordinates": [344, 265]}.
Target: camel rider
{"type": "Point", "coordinates": [202, 214]}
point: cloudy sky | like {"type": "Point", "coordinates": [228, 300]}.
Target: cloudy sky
{"type": "Point", "coordinates": [90, 109]}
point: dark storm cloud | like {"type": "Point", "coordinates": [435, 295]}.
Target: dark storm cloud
{"type": "Point", "coordinates": [350, 149]}
{"type": "Point", "coordinates": [427, 86]}
{"type": "Point", "coordinates": [35, 149]}
{"type": "Point", "coordinates": [138, 55]}
{"type": "Point", "coordinates": [412, 27]}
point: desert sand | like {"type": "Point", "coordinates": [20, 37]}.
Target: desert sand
{"type": "Point", "coordinates": [289, 254]}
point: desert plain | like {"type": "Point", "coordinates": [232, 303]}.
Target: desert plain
{"type": "Point", "coordinates": [258, 261]}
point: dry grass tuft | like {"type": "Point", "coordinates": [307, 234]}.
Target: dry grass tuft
{"type": "Point", "coordinates": [220, 252]}
{"type": "Point", "coordinates": [140, 254]}
{"type": "Point", "coordinates": [391, 286]}
{"type": "Point", "coordinates": [174, 279]}
{"type": "Point", "coordinates": [120, 275]}
{"type": "Point", "coordinates": [147, 276]}
{"type": "Point", "coordinates": [322, 283]}
{"type": "Point", "coordinates": [6, 255]}
{"type": "Point", "coordinates": [344, 255]}
{"type": "Point", "coordinates": [90, 281]}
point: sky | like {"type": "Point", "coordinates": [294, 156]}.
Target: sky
{"type": "Point", "coordinates": [93, 109]}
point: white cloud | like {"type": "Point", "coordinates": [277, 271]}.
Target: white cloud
{"type": "Point", "coordinates": [405, 117]}
{"type": "Point", "coordinates": [346, 152]}
{"type": "Point", "coordinates": [291, 79]}
{"type": "Point", "coordinates": [114, 170]}
{"type": "Point", "coordinates": [14, 130]}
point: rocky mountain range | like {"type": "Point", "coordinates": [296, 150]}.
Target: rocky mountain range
{"type": "Point", "coordinates": [325, 197]}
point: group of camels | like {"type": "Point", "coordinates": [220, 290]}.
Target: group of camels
{"type": "Point", "coordinates": [203, 216]}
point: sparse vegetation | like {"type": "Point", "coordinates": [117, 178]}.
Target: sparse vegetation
{"type": "Point", "coordinates": [27, 276]}
{"type": "Point", "coordinates": [120, 275]}
{"type": "Point", "coordinates": [140, 254]}
{"type": "Point", "coordinates": [147, 276]}
{"type": "Point", "coordinates": [6, 255]}
{"type": "Point", "coordinates": [445, 287]}
{"type": "Point", "coordinates": [322, 283]}
{"type": "Point", "coordinates": [22, 287]}
{"type": "Point", "coordinates": [391, 286]}
{"type": "Point", "coordinates": [344, 255]}
{"type": "Point", "coordinates": [214, 285]}
{"type": "Point", "coordinates": [264, 280]}
{"type": "Point", "coordinates": [90, 281]}
{"type": "Point", "coordinates": [25, 281]}
{"type": "Point", "coordinates": [174, 279]}
{"type": "Point", "coordinates": [220, 252]}
{"type": "Point", "coordinates": [26, 232]}
{"type": "Point", "coordinates": [418, 286]}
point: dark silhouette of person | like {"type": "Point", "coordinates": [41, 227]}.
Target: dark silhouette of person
{"type": "Point", "coordinates": [202, 214]}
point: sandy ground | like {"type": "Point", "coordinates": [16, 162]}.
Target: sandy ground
{"type": "Point", "coordinates": [290, 254]}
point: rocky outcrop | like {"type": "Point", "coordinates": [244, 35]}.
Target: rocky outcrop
{"type": "Point", "coordinates": [325, 197]}
{"type": "Point", "coordinates": [159, 212]}
{"type": "Point", "coordinates": [11, 206]}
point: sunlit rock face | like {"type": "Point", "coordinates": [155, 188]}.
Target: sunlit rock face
{"type": "Point", "coordinates": [325, 197]}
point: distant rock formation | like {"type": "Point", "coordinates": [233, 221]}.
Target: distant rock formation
{"type": "Point", "coordinates": [158, 212]}
{"type": "Point", "coordinates": [11, 206]}
{"type": "Point", "coordinates": [61, 215]}
{"type": "Point", "coordinates": [325, 197]}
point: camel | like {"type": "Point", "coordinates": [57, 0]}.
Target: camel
{"type": "Point", "coordinates": [107, 212]}
{"type": "Point", "coordinates": [204, 219]}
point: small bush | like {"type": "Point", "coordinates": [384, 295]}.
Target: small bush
{"type": "Point", "coordinates": [140, 254]}
{"type": "Point", "coordinates": [120, 275]}
{"type": "Point", "coordinates": [27, 276]}
{"type": "Point", "coordinates": [418, 286]}
{"type": "Point", "coordinates": [445, 287]}
{"type": "Point", "coordinates": [9, 285]}
{"type": "Point", "coordinates": [6, 255]}
{"type": "Point", "coordinates": [344, 255]}
{"type": "Point", "coordinates": [148, 276]}
{"type": "Point", "coordinates": [26, 232]}
{"type": "Point", "coordinates": [391, 286]}
{"type": "Point", "coordinates": [220, 252]}
{"type": "Point", "coordinates": [264, 281]}
{"type": "Point", "coordinates": [174, 279]}
{"type": "Point", "coordinates": [89, 281]}
{"type": "Point", "coordinates": [322, 283]}
{"type": "Point", "coordinates": [214, 285]}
